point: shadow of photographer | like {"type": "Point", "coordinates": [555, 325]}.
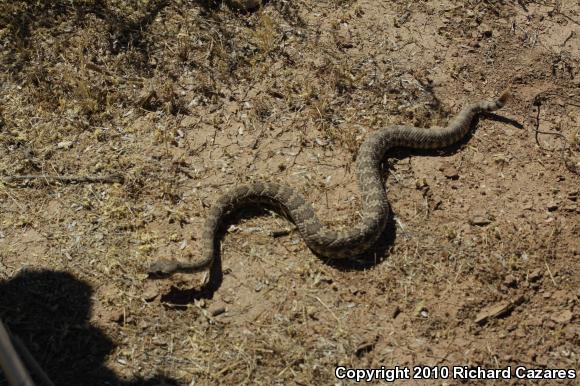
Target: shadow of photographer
{"type": "Point", "coordinates": [50, 312]}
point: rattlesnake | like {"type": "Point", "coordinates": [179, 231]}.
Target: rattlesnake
{"type": "Point", "coordinates": [375, 207]}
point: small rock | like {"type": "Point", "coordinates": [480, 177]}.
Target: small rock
{"type": "Point", "coordinates": [150, 292]}
{"type": "Point", "coordinates": [485, 30]}
{"type": "Point", "coordinates": [498, 310]}
{"type": "Point", "coordinates": [356, 291]}
{"type": "Point", "coordinates": [401, 19]}
{"type": "Point", "coordinates": [64, 145]}
{"type": "Point", "coordinates": [147, 99]}
{"type": "Point", "coordinates": [549, 324]}
{"type": "Point", "coordinates": [570, 208]}
{"type": "Point", "coordinates": [480, 220]}
{"type": "Point", "coordinates": [563, 317]}
{"type": "Point", "coordinates": [311, 311]}
{"type": "Point", "coordinates": [450, 172]}
{"type": "Point", "coordinates": [552, 206]}
{"type": "Point", "coordinates": [216, 309]}
{"type": "Point", "coordinates": [343, 36]}
{"type": "Point", "coordinates": [189, 121]}
{"type": "Point", "coordinates": [396, 311]}
{"type": "Point", "coordinates": [571, 332]}
{"type": "Point", "coordinates": [510, 281]}
{"type": "Point", "coordinates": [420, 308]}
{"type": "Point", "coordinates": [115, 315]}
{"type": "Point", "coordinates": [421, 184]}
{"type": "Point", "coordinates": [535, 275]}
{"type": "Point", "coordinates": [108, 292]}
{"type": "Point", "coordinates": [366, 346]}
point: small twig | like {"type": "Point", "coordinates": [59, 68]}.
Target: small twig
{"type": "Point", "coordinates": [550, 273]}
{"type": "Point", "coordinates": [296, 156]}
{"type": "Point", "coordinates": [572, 33]}
{"type": "Point", "coordinates": [257, 140]}
{"type": "Point", "coordinates": [295, 361]}
{"type": "Point", "coordinates": [50, 179]}
{"type": "Point", "coordinates": [538, 102]}
{"type": "Point", "coordinates": [228, 368]}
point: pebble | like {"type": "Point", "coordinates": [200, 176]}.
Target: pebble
{"type": "Point", "coordinates": [366, 347]}
{"type": "Point", "coordinates": [189, 121]}
{"type": "Point", "coordinates": [467, 86]}
{"type": "Point", "coordinates": [64, 145]}
{"type": "Point", "coordinates": [510, 281]}
{"type": "Point", "coordinates": [396, 311]}
{"type": "Point", "coordinates": [311, 312]}
{"type": "Point", "coordinates": [485, 30]}
{"type": "Point", "coordinates": [150, 292]}
{"type": "Point", "coordinates": [115, 315]}
{"type": "Point", "coordinates": [480, 220]}
{"type": "Point", "coordinates": [498, 309]}
{"type": "Point", "coordinates": [563, 317]}
{"type": "Point", "coordinates": [535, 275]}
{"type": "Point", "coordinates": [216, 309]}
{"type": "Point", "coordinates": [450, 172]}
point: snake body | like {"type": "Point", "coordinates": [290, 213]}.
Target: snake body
{"type": "Point", "coordinates": [375, 208]}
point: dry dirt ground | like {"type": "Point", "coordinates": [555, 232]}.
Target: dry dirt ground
{"type": "Point", "coordinates": [186, 99]}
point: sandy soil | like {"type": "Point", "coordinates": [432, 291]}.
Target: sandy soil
{"type": "Point", "coordinates": [186, 99]}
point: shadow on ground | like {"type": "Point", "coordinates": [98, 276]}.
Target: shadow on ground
{"type": "Point", "coordinates": [50, 311]}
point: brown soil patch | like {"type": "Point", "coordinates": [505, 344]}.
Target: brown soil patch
{"type": "Point", "coordinates": [188, 98]}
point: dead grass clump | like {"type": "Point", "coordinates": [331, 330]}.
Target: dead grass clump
{"type": "Point", "coordinates": [265, 33]}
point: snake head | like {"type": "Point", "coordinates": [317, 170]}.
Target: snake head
{"type": "Point", "coordinates": [162, 268]}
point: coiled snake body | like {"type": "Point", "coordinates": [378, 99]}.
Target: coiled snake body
{"type": "Point", "coordinates": [375, 207]}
